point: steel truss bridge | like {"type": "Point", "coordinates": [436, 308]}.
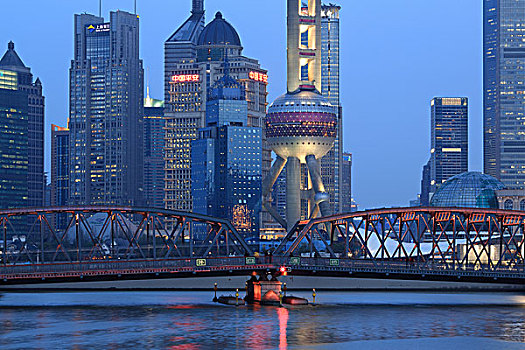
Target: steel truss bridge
{"type": "Point", "coordinates": [93, 243]}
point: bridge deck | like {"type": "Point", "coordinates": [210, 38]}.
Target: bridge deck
{"type": "Point", "coordinates": [110, 270]}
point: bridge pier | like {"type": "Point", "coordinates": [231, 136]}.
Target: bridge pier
{"type": "Point", "coordinates": [262, 291]}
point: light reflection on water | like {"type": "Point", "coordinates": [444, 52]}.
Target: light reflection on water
{"type": "Point", "coordinates": [189, 320]}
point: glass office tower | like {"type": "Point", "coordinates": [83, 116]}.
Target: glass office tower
{"type": "Point", "coordinates": [106, 109]}
{"type": "Point", "coordinates": [449, 139]}
{"type": "Point", "coordinates": [226, 160]}
{"type": "Point", "coordinates": [14, 149]}
{"type": "Point", "coordinates": [504, 90]}
{"type": "Point", "coordinates": [35, 122]}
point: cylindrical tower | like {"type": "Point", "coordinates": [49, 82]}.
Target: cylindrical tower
{"type": "Point", "coordinates": [301, 125]}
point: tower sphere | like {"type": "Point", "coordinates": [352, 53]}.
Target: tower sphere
{"type": "Point", "coordinates": [300, 124]}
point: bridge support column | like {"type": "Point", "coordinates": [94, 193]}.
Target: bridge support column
{"type": "Point", "coordinates": [263, 292]}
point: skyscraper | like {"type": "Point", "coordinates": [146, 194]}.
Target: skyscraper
{"type": "Point", "coordinates": [34, 111]}
{"type": "Point", "coordinates": [504, 92]}
{"type": "Point", "coordinates": [13, 142]}
{"type": "Point", "coordinates": [346, 183]}
{"type": "Point", "coordinates": [301, 125]}
{"type": "Point", "coordinates": [194, 61]}
{"type": "Point", "coordinates": [59, 195]}
{"type": "Point", "coordinates": [106, 109]}
{"type": "Point", "coordinates": [449, 139]}
{"type": "Point", "coordinates": [332, 163]}
{"type": "Point", "coordinates": [226, 160]}
{"type": "Point", "coordinates": [153, 152]}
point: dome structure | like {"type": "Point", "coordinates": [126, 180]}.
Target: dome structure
{"type": "Point", "coordinates": [301, 124]}
{"type": "Point", "coordinates": [468, 190]}
{"type": "Point", "coordinates": [219, 32]}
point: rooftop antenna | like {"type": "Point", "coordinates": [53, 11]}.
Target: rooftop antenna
{"type": "Point", "coordinates": [100, 8]}
{"type": "Point", "coordinates": [135, 6]}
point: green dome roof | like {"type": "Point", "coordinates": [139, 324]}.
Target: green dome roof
{"type": "Point", "coordinates": [468, 190]}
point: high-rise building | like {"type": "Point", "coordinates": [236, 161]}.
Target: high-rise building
{"type": "Point", "coordinates": [226, 160]}
{"type": "Point", "coordinates": [106, 109]}
{"type": "Point", "coordinates": [301, 125]}
{"type": "Point", "coordinates": [346, 183]}
{"type": "Point", "coordinates": [194, 61]}
{"type": "Point", "coordinates": [449, 139]}
{"type": "Point", "coordinates": [13, 142]}
{"type": "Point", "coordinates": [424, 197]}
{"type": "Point", "coordinates": [59, 187]}
{"type": "Point", "coordinates": [504, 91]}
{"type": "Point", "coordinates": [59, 165]}
{"type": "Point", "coordinates": [332, 163]}
{"type": "Point", "coordinates": [34, 112]}
{"type": "Point", "coordinates": [153, 152]}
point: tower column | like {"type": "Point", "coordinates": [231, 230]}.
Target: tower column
{"type": "Point", "coordinates": [293, 192]}
{"type": "Point", "coordinates": [321, 197]}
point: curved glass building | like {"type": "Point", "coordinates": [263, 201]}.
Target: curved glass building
{"type": "Point", "coordinates": [468, 190]}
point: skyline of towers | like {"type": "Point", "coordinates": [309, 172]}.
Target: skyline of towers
{"type": "Point", "coordinates": [106, 109]}
{"type": "Point", "coordinates": [226, 159]}
{"type": "Point", "coordinates": [504, 93]}
{"type": "Point", "coordinates": [21, 135]}
{"type": "Point", "coordinates": [194, 61]}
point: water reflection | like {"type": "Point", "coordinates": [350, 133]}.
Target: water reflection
{"type": "Point", "coordinates": [190, 321]}
{"type": "Point", "coordinates": [282, 313]}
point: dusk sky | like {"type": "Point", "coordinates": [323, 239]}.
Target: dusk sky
{"type": "Point", "coordinates": [395, 57]}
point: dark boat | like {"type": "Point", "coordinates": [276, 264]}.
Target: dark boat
{"type": "Point", "coordinates": [230, 300]}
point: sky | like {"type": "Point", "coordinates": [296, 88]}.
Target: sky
{"type": "Point", "coordinates": [395, 57]}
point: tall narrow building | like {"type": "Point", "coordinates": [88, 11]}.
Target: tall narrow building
{"type": "Point", "coordinates": [106, 109]}
{"type": "Point", "coordinates": [59, 195]}
{"type": "Point", "coordinates": [504, 92]}
{"type": "Point", "coordinates": [449, 139]}
{"type": "Point", "coordinates": [190, 74]}
{"type": "Point", "coordinates": [23, 83]}
{"type": "Point", "coordinates": [153, 152]}
{"type": "Point", "coordinates": [332, 164]}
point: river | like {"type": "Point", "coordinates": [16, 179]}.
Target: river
{"type": "Point", "coordinates": [190, 320]}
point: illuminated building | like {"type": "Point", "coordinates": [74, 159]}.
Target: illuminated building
{"type": "Point", "coordinates": [227, 158]}
{"type": "Point", "coordinates": [106, 109]}
{"type": "Point", "coordinates": [190, 73]}
{"type": "Point", "coordinates": [449, 139]}
{"type": "Point", "coordinates": [504, 91]}
{"type": "Point", "coordinates": [35, 122]}
{"type": "Point", "coordinates": [332, 163]}
{"type": "Point", "coordinates": [301, 125]}
{"type": "Point", "coordinates": [59, 171]}
{"type": "Point", "coordinates": [13, 142]}
{"type": "Point", "coordinates": [346, 183]}
{"type": "Point", "coordinates": [153, 152]}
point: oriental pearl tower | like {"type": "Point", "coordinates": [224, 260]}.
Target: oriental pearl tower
{"type": "Point", "coordinates": [301, 125]}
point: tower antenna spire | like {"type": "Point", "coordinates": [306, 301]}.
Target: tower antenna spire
{"type": "Point", "coordinates": [100, 8]}
{"type": "Point", "coordinates": [135, 6]}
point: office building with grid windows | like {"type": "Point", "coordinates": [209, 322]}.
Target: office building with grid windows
{"type": "Point", "coordinates": [106, 109]}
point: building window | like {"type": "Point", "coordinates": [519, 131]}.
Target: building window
{"type": "Point", "coordinates": [508, 205]}
{"type": "Point", "coordinates": [522, 205]}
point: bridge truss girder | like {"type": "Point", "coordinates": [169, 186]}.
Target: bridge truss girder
{"type": "Point", "coordinates": [452, 238]}
{"type": "Point", "coordinates": [95, 233]}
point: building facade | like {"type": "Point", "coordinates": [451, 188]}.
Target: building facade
{"type": "Point", "coordinates": [332, 163]}
{"type": "Point", "coordinates": [190, 74]}
{"type": "Point", "coordinates": [106, 109]}
{"type": "Point", "coordinates": [11, 62]}
{"type": "Point", "coordinates": [226, 160]}
{"type": "Point", "coordinates": [504, 94]}
{"type": "Point", "coordinates": [449, 139]}
{"type": "Point", "coordinates": [14, 160]}
{"type": "Point", "coordinates": [59, 165]}
{"type": "Point", "coordinates": [346, 183]}
{"type": "Point", "coordinates": [153, 152]}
